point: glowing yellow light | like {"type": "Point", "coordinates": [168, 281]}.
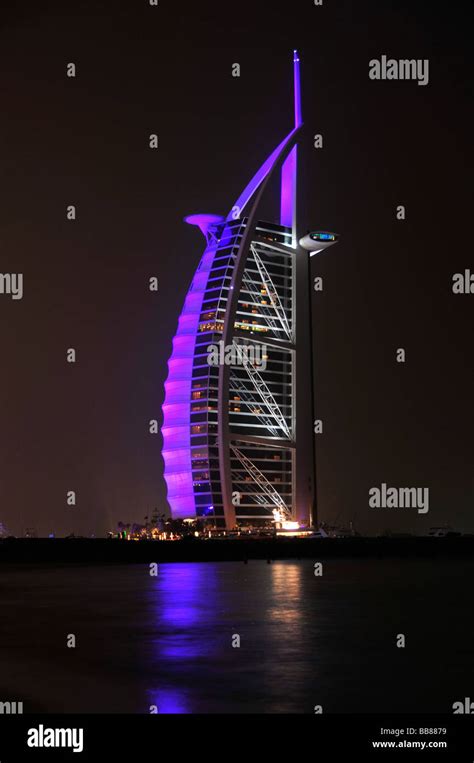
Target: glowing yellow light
{"type": "Point", "coordinates": [288, 525]}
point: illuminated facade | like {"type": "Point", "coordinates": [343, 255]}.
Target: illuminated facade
{"type": "Point", "coordinates": [237, 416]}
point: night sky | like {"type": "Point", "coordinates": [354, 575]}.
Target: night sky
{"type": "Point", "coordinates": [387, 284]}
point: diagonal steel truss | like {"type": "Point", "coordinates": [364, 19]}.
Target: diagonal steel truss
{"type": "Point", "coordinates": [263, 391]}
{"type": "Point", "coordinates": [272, 292]}
{"type": "Point", "coordinates": [260, 479]}
{"type": "Point", "coordinates": [272, 322]}
{"type": "Point", "coordinates": [249, 399]}
{"type": "Point", "coordinates": [258, 499]}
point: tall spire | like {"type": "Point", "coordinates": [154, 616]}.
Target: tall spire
{"type": "Point", "coordinates": [289, 168]}
{"type": "Point", "coordinates": [288, 171]}
{"type": "Point", "coordinates": [297, 88]}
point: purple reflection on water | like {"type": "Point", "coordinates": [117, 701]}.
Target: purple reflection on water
{"type": "Point", "coordinates": [168, 701]}
{"type": "Point", "coordinates": [183, 604]}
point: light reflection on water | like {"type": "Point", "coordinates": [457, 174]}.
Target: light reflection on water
{"type": "Point", "coordinates": [181, 601]}
{"type": "Point", "coordinates": [195, 608]}
{"type": "Point", "coordinates": [304, 640]}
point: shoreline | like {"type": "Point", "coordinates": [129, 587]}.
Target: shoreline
{"type": "Point", "coordinates": [103, 550]}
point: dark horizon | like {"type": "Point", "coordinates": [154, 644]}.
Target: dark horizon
{"type": "Point", "coordinates": [387, 284]}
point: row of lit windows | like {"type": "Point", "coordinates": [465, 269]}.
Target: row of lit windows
{"type": "Point", "coordinates": [218, 326]}
{"type": "Point", "coordinates": [244, 326]}
{"type": "Point", "coordinates": [199, 463]}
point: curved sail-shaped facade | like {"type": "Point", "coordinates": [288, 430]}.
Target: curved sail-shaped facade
{"type": "Point", "coordinates": [179, 394]}
{"type": "Point", "coordinates": [237, 415]}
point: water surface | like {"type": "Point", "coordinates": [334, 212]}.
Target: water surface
{"type": "Point", "coordinates": [304, 640]}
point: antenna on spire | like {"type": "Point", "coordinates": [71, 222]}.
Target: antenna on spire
{"type": "Point", "coordinates": [297, 88]}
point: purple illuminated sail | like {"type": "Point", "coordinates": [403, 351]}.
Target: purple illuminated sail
{"type": "Point", "coordinates": [187, 454]}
